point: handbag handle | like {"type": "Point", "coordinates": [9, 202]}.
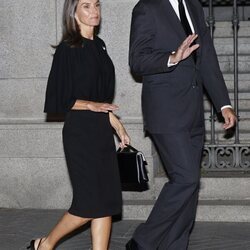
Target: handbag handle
{"type": "Point", "coordinates": [126, 148]}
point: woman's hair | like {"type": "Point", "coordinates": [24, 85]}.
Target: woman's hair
{"type": "Point", "coordinates": [70, 30]}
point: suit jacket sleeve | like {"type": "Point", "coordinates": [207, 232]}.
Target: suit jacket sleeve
{"type": "Point", "coordinates": [210, 70]}
{"type": "Point", "coordinates": [59, 92]}
{"type": "Point", "coordinates": [144, 59]}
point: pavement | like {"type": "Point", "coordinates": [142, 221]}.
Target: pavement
{"type": "Point", "coordinates": [18, 227]}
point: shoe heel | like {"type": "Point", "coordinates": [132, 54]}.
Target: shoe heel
{"type": "Point", "coordinates": [32, 245]}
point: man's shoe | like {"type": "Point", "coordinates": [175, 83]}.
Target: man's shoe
{"type": "Point", "coordinates": [132, 245]}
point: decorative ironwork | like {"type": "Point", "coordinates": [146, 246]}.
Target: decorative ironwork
{"type": "Point", "coordinates": [225, 2]}
{"type": "Point", "coordinates": [211, 22]}
{"type": "Point", "coordinates": [235, 22]}
{"type": "Point", "coordinates": [226, 157]}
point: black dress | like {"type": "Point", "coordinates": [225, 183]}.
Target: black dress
{"type": "Point", "coordinates": [86, 73]}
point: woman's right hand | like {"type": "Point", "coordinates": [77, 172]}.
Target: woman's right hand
{"type": "Point", "coordinates": [101, 107]}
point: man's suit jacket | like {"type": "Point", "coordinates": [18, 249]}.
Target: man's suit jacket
{"type": "Point", "coordinates": [172, 97]}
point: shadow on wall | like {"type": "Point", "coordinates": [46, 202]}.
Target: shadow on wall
{"type": "Point", "coordinates": [54, 117]}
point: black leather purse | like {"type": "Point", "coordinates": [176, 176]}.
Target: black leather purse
{"type": "Point", "coordinates": [132, 167]}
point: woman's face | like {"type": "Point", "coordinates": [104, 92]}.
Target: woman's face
{"type": "Point", "coordinates": [88, 13]}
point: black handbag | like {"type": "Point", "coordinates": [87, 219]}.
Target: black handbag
{"type": "Point", "coordinates": [132, 168]}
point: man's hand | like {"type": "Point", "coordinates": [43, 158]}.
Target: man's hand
{"type": "Point", "coordinates": [229, 117]}
{"type": "Point", "coordinates": [184, 50]}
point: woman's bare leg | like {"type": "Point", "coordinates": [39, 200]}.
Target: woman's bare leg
{"type": "Point", "coordinates": [100, 231]}
{"type": "Point", "coordinates": [67, 224]}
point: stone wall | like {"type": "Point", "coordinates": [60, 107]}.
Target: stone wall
{"type": "Point", "coordinates": [33, 169]}
{"type": "Point", "coordinates": [28, 27]}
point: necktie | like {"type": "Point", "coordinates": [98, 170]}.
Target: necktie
{"type": "Point", "coordinates": [183, 19]}
{"type": "Point", "coordinates": [185, 24]}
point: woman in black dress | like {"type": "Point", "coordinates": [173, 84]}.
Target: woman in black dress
{"type": "Point", "coordinates": [81, 85]}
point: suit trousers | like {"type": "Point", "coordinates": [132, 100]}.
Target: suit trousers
{"type": "Point", "coordinates": [170, 222]}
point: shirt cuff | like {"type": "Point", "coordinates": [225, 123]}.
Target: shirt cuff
{"type": "Point", "coordinates": [171, 64]}
{"type": "Point", "coordinates": [226, 106]}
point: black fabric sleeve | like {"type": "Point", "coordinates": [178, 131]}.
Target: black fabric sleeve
{"type": "Point", "coordinates": [144, 59]}
{"type": "Point", "coordinates": [212, 77]}
{"type": "Point", "coordinates": [59, 92]}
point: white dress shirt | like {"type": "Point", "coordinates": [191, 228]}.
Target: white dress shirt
{"type": "Point", "coordinates": [175, 5]}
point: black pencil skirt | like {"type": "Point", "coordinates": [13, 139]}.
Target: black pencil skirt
{"type": "Point", "coordinates": [92, 164]}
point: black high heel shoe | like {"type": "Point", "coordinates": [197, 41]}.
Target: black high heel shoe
{"type": "Point", "coordinates": [32, 245]}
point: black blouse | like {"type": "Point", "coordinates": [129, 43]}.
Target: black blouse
{"type": "Point", "coordinates": [85, 73]}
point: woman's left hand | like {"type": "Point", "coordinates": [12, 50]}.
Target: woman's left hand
{"type": "Point", "coordinates": [121, 132]}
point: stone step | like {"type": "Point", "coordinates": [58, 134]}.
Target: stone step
{"type": "Point", "coordinates": [209, 210]}
{"type": "Point", "coordinates": [220, 133]}
{"type": "Point", "coordinates": [225, 13]}
{"type": "Point", "coordinates": [244, 124]}
{"type": "Point", "coordinates": [217, 188]}
{"type": "Point", "coordinates": [220, 137]}
{"type": "Point", "coordinates": [243, 102]}
{"type": "Point", "coordinates": [27, 106]}
{"type": "Point", "coordinates": [43, 182]}
{"type": "Point", "coordinates": [243, 82]}
{"type": "Point", "coordinates": [18, 111]}
{"type": "Point", "coordinates": [45, 139]}
{"type": "Point", "coordinates": [227, 63]}
{"type": "Point", "coordinates": [225, 45]}
{"type": "Point", "coordinates": [224, 29]}
{"type": "Point", "coordinates": [244, 114]}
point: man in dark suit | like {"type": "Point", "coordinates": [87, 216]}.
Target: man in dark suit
{"type": "Point", "coordinates": [171, 48]}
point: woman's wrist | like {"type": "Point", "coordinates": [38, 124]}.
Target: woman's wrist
{"type": "Point", "coordinates": [115, 123]}
{"type": "Point", "coordinates": [87, 105]}
{"type": "Point", "coordinates": [81, 105]}
{"type": "Point", "coordinates": [120, 127]}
